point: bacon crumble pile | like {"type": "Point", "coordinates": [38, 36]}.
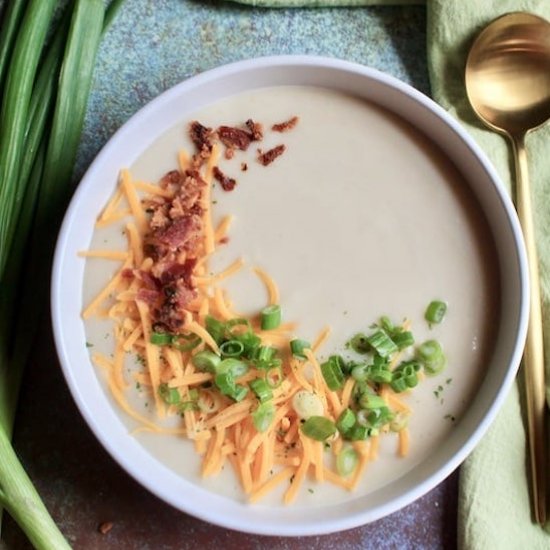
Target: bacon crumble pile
{"type": "Point", "coordinates": [176, 223]}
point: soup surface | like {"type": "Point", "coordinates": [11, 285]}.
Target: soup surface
{"type": "Point", "coordinates": [361, 216]}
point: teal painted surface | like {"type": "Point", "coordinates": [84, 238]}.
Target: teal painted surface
{"type": "Point", "coordinates": [154, 44]}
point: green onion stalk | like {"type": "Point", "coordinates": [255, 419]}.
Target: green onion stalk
{"type": "Point", "coordinates": [44, 90]}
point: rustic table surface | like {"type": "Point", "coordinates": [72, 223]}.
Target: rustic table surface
{"type": "Point", "coordinates": [153, 45]}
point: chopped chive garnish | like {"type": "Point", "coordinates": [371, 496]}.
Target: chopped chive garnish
{"type": "Point", "coordinates": [261, 389]}
{"type": "Point", "coordinates": [431, 355]}
{"type": "Point", "coordinates": [382, 343]}
{"type": "Point", "coordinates": [298, 346]}
{"type": "Point", "coordinates": [347, 461]}
{"type": "Point", "coordinates": [271, 317]}
{"type": "Point", "coordinates": [318, 428]}
{"type": "Point", "coordinates": [435, 312]}
{"type": "Point", "coordinates": [206, 361]}
{"type": "Point", "coordinates": [332, 373]}
{"type": "Point", "coordinates": [263, 416]}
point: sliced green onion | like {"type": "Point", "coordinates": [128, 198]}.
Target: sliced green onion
{"type": "Point", "coordinates": [268, 365]}
{"type": "Point", "coordinates": [332, 373]}
{"type": "Point", "coordinates": [382, 343]}
{"type": "Point", "coordinates": [346, 421]}
{"type": "Point", "coordinates": [237, 322]}
{"type": "Point", "coordinates": [261, 389]}
{"type": "Point", "coordinates": [318, 428]}
{"type": "Point", "coordinates": [226, 384]}
{"type": "Point", "coordinates": [435, 312]}
{"type": "Point", "coordinates": [379, 371]}
{"type": "Point", "coordinates": [206, 361]}
{"type": "Point", "coordinates": [431, 355]}
{"type": "Point", "coordinates": [400, 422]}
{"type": "Point", "coordinates": [307, 404]}
{"type": "Point", "coordinates": [379, 417]}
{"type": "Point", "coordinates": [240, 393]}
{"type": "Point", "coordinates": [207, 401]}
{"type": "Point", "coordinates": [215, 328]}
{"type": "Point", "coordinates": [271, 317]}
{"type": "Point", "coordinates": [264, 354]}
{"type": "Point", "coordinates": [403, 339]}
{"type": "Point", "coordinates": [298, 346]}
{"type": "Point", "coordinates": [232, 348]}
{"type": "Point", "coordinates": [346, 461]}
{"type": "Point", "coordinates": [371, 401]}
{"type": "Point", "coordinates": [360, 371]}
{"type": "Point", "coordinates": [360, 433]}
{"type": "Point", "coordinates": [250, 341]}
{"type": "Point", "coordinates": [263, 416]}
{"type": "Point", "coordinates": [171, 396]}
{"type": "Point", "coordinates": [360, 343]}
{"type": "Point", "coordinates": [191, 341]}
{"type": "Point", "coordinates": [405, 376]}
{"type": "Point", "coordinates": [167, 339]}
{"type": "Point", "coordinates": [274, 376]}
{"type": "Point", "coordinates": [160, 338]}
{"type": "Point", "coordinates": [234, 366]}
{"type": "Point", "coordinates": [387, 325]}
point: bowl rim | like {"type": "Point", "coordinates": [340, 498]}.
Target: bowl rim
{"type": "Point", "coordinates": [419, 489]}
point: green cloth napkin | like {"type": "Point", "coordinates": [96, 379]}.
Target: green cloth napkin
{"type": "Point", "coordinates": [494, 504]}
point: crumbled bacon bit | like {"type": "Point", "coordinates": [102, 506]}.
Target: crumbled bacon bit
{"type": "Point", "coordinates": [234, 138]}
{"type": "Point", "coordinates": [229, 153]}
{"type": "Point", "coordinates": [105, 527]}
{"type": "Point", "coordinates": [285, 126]}
{"type": "Point", "coordinates": [227, 183]}
{"type": "Point", "coordinates": [269, 156]}
{"type": "Point", "coordinates": [176, 230]}
{"type": "Point", "coordinates": [224, 240]}
{"type": "Point", "coordinates": [244, 166]}
{"type": "Point", "coordinates": [201, 136]}
{"type": "Point", "coordinates": [255, 129]}
{"type": "Point", "coordinates": [174, 177]}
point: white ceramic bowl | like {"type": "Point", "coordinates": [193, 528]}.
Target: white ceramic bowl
{"type": "Point", "coordinates": [134, 137]}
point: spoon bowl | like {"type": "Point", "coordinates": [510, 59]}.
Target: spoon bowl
{"type": "Point", "coordinates": [508, 85]}
{"type": "Point", "coordinates": [508, 73]}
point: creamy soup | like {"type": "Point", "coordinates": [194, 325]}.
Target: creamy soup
{"type": "Point", "coordinates": [361, 216]}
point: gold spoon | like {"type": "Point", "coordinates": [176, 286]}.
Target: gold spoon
{"type": "Point", "coordinates": [508, 85]}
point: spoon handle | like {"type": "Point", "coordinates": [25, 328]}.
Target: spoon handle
{"type": "Point", "coordinates": [533, 356]}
